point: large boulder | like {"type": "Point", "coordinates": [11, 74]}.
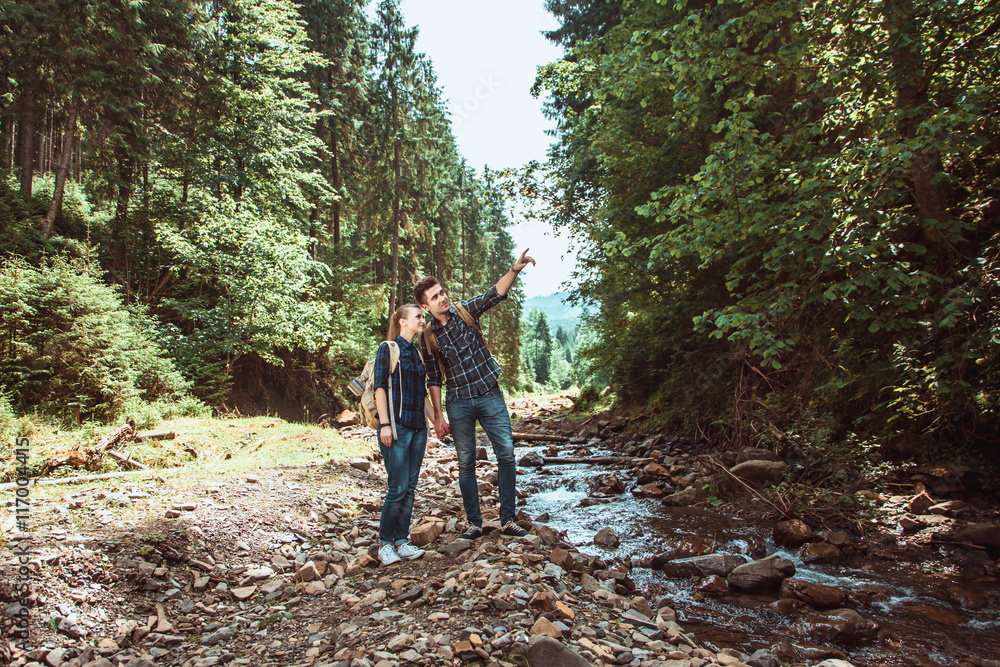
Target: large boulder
{"type": "Point", "coordinates": [703, 566]}
{"type": "Point", "coordinates": [816, 595]}
{"type": "Point", "coordinates": [980, 534]}
{"type": "Point", "coordinates": [763, 574]}
{"type": "Point", "coordinates": [759, 471]}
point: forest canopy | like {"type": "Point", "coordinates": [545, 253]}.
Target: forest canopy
{"type": "Point", "coordinates": [240, 191]}
{"type": "Point", "coordinates": [788, 211]}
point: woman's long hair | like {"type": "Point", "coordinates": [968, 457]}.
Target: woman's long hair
{"type": "Point", "coordinates": [401, 312]}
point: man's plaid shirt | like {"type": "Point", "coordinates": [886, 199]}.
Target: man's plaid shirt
{"type": "Point", "coordinates": [407, 383]}
{"type": "Point", "coordinates": [471, 369]}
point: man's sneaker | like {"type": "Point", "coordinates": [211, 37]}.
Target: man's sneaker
{"type": "Point", "coordinates": [471, 533]}
{"type": "Point", "coordinates": [387, 554]}
{"type": "Point", "coordinates": [511, 529]}
{"type": "Point", "coordinates": [409, 552]}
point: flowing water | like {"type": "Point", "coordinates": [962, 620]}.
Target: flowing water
{"type": "Point", "coordinates": [917, 606]}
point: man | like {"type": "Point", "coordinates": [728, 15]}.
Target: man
{"type": "Point", "coordinates": [473, 393]}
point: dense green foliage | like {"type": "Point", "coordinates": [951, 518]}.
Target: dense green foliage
{"type": "Point", "coordinates": [265, 180]}
{"type": "Point", "coordinates": [69, 347]}
{"type": "Point", "coordinates": [788, 210]}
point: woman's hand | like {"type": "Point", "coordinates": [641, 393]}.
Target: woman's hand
{"type": "Point", "coordinates": [385, 435]}
{"type": "Point", "coordinates": [441, 427]}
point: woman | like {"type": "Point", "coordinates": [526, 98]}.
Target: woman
{"type": "Point", "coordinates": [403, 453]}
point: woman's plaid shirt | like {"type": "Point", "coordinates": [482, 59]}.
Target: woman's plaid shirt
{"type": "Point", "coordinates": [407, 383]}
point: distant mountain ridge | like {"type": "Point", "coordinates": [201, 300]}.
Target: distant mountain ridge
{"type": "Point", "coordinates": [558, 313]}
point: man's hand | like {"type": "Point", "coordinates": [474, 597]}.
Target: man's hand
{"type": "Point", "coordinates": [523, 261]}
{"type": "Point", "coordinates": [441, 427]}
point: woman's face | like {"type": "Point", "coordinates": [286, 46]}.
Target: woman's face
{"type": "Point", "coordinates": [413, 321]}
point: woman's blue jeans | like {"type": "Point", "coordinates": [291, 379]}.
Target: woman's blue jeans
{"type": "Point", "coordinates": [402, 464]}
{"type": "Point", "coordinates": [491, 411]}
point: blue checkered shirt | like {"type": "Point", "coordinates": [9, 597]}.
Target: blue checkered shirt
{"type": "Point", "coordinates": [471, 369]}
{"type": "Point", "coordinates": [408, 389]}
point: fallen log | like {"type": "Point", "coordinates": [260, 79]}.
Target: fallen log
{"type": "Point", "coordinates": [122, 434]}
{"type": "Point", "coordinates": [540, 437]}
{"type": "Point", "coordinates": [75, 458]}
{"type": "Point", "coordinates": [156, 435]}
{"type": "Point", "coordinates": [121, 458]}
{"type": "Point", "coordinates": [87, 478]}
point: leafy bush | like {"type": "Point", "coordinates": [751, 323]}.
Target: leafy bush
{"type": "Point", "coordinates": [70, 347]}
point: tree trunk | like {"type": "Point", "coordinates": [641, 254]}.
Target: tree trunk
{"type": "Point", "coordinates": [7, 160]}
{"type": "Point", "coordinates": [62, 170]}
{"type": "Point", "coordinates": [395, 229]}
{"type": "Point", "coordinates": [929, 191]}
{"type": "Point", "coordinates": [26, 134]}
{"type": "Point", "coordinates": [313, 217]}
{"type": "Point", "coordinates": [335, 177]}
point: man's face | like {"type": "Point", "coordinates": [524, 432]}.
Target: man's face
{"type": "Point", "coordinates": [436, 301]}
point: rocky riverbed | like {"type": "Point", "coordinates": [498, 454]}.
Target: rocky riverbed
{"type": "Point", "coordinates": [278, 567]}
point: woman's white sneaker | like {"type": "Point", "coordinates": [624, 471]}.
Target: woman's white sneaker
{"type": "Point", "coordinates": [387, 554]}
{"type": "Point", "coordinates": [409, 552]}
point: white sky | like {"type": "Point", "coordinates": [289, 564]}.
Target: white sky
{"type": "Point", "coordinates": [485, 54]}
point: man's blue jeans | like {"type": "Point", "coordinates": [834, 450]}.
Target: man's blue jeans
{"type": "Point", "coordinates": [491, 411]}
{"type": "Point", "coordinates": [402, 464]}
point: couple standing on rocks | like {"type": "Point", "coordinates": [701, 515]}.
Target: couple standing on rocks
{"type": "Point", "coordinates": [454, 349]}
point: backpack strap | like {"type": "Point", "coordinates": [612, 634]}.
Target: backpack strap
{"type": "Point", "coordinates": [428, 339]}
{"type": "Point", "coordinates": [393, 364]}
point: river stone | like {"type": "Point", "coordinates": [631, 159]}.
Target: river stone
{"type": "Point", "coordinates": [819, 553]}
{"type": "Point", "coordinates": [759, 471]}
{"type": "Point", "coordinates": [548, 652]}
{"type": "Point", "coordinates": [939, 616]}
{"type": "Point", "coordinates": [835, 662]}
{"type": "Point", "coordinates": [980, 534]}
{"type": "Point", "coordinates": [545, 627]}
{"type": "Point", "coordinates": [531, 460]}
{"type": "Point", "coordinates": [713, 585]}
{"type": "Point", "coordinates": [689, 496]}
{"type": "Point", "coordinates": [920, 503]}
{"type": "Point", "coordinates": [952, 508]}
{"type": "Point", "coordinates": [686, 548]}
{"type": "Point", "coordinates": [605, 485]}
{"type": "Point", "coordinates": [606, 537]}
{"type": "Point", "coordinates": [819, 596]}
{"type": "Point", "coordinates": [761, 574]}
{"type": "Point", "coordinates": [307, 573]}
{"type": "Point", "coordinates": [911, 524]}
{"type": "Point", "coordinates": [426, 533]}
{"type": "Point", "coordinates": [793, 533]}
{"type": "Point", "coordinates": [839, 625]}
{"type": "Point", "coordinates": [763, 658]}
{"type": "Point", "coordinates": [720, 564]}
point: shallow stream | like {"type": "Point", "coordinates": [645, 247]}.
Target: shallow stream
{"type": "Point", "coordinates": [928, 614]}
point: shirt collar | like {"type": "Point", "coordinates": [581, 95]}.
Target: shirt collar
{"type": "Point", "coordinates": [402, 342]}
{"type": "Point", "coordinates": [437, 326]}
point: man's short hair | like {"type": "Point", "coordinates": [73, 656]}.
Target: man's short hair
{"type": "Point", "coordinates": [422, 286]}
